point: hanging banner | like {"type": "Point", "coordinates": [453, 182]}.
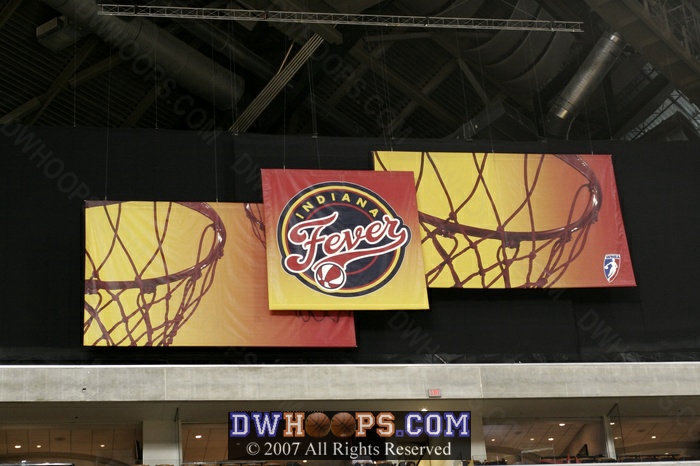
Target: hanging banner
{"type": "Point", "coordinates": [360, 436]}
{"type": "Point", "coordinates": [343, 240]}
{"type": "Point", "coordinates": [517, 220]}
{"type": "Point", "coordinates": [189, 274]}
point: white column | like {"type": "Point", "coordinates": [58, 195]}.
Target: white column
{"type": "Point", "coordinates": [161, 443]}
{"type": "Point", "coordinates": [477, 449]}
{"type": "Point", "coordinates": [478, 442]}
{"type": "Point", "coordinates": [609, 438]}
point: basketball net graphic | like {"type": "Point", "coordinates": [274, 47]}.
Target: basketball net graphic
{"type": "Point", "coordinates": [478, 238]}
{"type": "Point", "coordinates": [141, 287]}
{"type": "Point", "coordinates": [254, 214]}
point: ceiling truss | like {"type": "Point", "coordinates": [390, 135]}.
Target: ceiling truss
{"type": "Point", "coordinates": [339, 18]}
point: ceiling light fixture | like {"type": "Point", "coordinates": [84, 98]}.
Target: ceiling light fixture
{"type": "Point", "coordinates": [18, 446]}
{"type": "Point", "coordinates": [653, 436]}
{"type": "Point", "coordinates": [562, 424]}
{"type": "Point", "coordinates": [198, 436]}
{"type": "Point", "coordinates": [551, 439]}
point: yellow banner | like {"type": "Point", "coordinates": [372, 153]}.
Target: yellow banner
{"type": "Point", "coordinates": [189, 274]}
{"type": "Point", "coordinates": [517, 220]}
{"type": "Point", "coordinates": [342, 240]}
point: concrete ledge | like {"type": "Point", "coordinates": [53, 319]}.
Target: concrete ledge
{"type": "Point", "coordinates": [340, 382]}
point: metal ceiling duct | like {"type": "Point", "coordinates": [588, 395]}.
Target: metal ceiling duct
{"type": "Point", "coordinates": [568, 104]}
{"type": "Point", "coordinates": [522, 62]}
{"type": "Point", "coordinates": [140, 38]}
{"type": "Point", "coordinates": [447, 8]}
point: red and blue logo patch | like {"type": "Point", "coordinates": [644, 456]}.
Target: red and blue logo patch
{"type": "Point", "coordinates": [611, 266]}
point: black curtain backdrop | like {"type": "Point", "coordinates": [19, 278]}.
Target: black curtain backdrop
{"type": "Point", "coordinates": [47, 173]}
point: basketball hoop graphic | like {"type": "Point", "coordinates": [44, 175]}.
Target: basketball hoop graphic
{"type": "Point", "coordinates": [141, 287]}
{"type": "Point", "coordinates": [254, 214]}
{"type": "Point", "coordinates": [492, 224]}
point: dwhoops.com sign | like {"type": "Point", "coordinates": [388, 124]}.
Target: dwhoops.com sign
{"type": "Point", "coordinates": [360, 435]}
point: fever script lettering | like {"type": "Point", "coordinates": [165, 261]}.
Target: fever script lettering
{"type": "Point", "coordinates": [344, 246]}
{"type": "Point", "coordinates": [341, 239]}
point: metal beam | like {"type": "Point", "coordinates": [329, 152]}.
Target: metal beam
{"type": "Point", "coordinates": [351, 80]}
{"type": "Point", "coordinates": [275, 85]}
{"type": "Point", "coordinates": [407, 88]}
{"type": "Point", "coordinates": [479, 87]}
{"type": "Point", "coordinates": [400, 119]}
{"type": "Point", "coordinates": [338, 18]}
{"type": "Point", "coordinates": [7, 11]}
{"type": "Point", "coordinates": [95, 70]}
{"type": "Point", "coordinates": [476, 85]}
{"type": "Point", "coordinates": [65, 76]}
{"type": "Point", "coordinates": [37, 105]}
{"type": "Point", "coordinates": [144, 104]}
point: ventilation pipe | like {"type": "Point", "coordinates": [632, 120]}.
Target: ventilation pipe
{"type": "Point", "coordinates": [138, 38]}
{"type": "Point", "coordinates": [568, 105]}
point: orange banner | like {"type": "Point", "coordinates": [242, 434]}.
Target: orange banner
{"type": "Point", "coordinates": [344, 240]}
{"type": "Point", "coordinates": [189, 274]}
{"type": "Point", "coordinates": [517, 220]}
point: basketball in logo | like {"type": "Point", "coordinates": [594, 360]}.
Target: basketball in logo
{"type": "Point", "coordinates": [343, 425]}
{"type": "Point", "coordinates": [341, 239]}
{"type": "Point", "coordinates": [330, 276]}
{"type": "Point", "coordinates": [317, 425]}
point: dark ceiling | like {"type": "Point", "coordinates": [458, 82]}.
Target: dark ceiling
{"type": "Point", "coordinates": [630, 74]}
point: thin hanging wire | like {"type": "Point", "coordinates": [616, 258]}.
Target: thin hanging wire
{"type": "Point", "coordinates": [607, 114]}
{"type": "Point", "coordinates": [314, 122]}
{"type": "Point", "coordinates": [312, 98]}
{"type": "Point", "coordinates": [213, 111]}
{"type": "Point", "coordinates": [540, 107]}
{"type": "Point", "coordinates": [385, 74]}
{"type": "Point", "coordinates": [155, 79]}
{"type": "Point", "coordinates": [109, 105]}
{"type": "Point", "coordinates": [672, 80]}
{"type": "Point", "coordinates": [284, 127]}
{"type": "Point", "coordinates": [464, 92]}
{"type": "Point", "coordinates": [387, 144]}
{"type": "Point", "coordinates": [233, 82]}
{"type": "Point", "coordinates": [75, 68]}
{"type": "Point", "coordinates": [483, 86]}
{"type": "Point", "coordinates": [585, 101]}
{"type": "Point", "coordinates": [284, 103]}
{"type": "Point", "coordinates": [541, 110]}
{"type": "Point", "coordinates": [585, 112]}
{"type": "Point", "coordinates": [605, 99]}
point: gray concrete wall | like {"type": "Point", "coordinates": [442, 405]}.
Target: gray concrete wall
{"type": "Point", "coordinates": [352, 382]}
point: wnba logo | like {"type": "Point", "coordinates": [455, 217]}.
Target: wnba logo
{"type": "Point", "coordinates": [341, 238]}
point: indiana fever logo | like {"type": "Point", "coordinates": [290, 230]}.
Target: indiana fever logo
{"type": "Point", "coordinates": [341, 238]}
